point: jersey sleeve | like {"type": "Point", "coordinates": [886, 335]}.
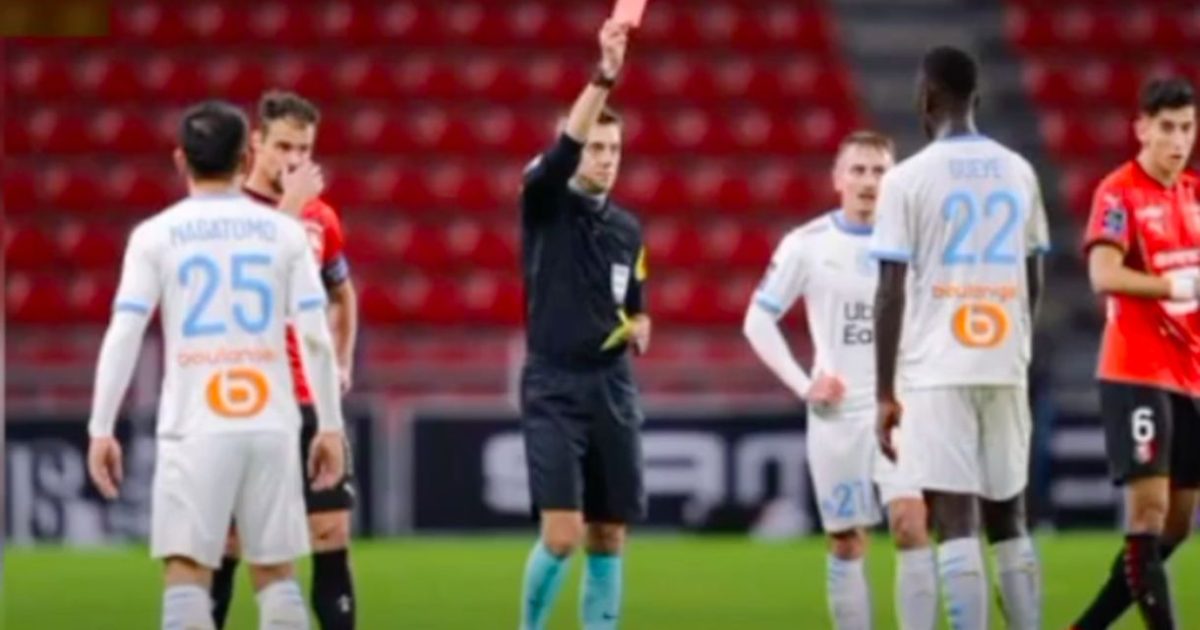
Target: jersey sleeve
{"type": "Point", "coordinates": [785, 280]}
{"type": "Point", "coordinates": [141, 282]}
{"type": "Point", "coordinates": [1109, 219]}
{"type": "Point", "coordinates": [335, 269]}
{"type": "Point", "coordinates": [547, 174]}
{"type": "Point", "coordinates": [305, 291]}
{"type": "Point", "coordinates": [1037, 228]}
{"type": "Point", "coordinates": [892, 238]}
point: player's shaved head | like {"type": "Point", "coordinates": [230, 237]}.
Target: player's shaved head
{"type": "Point", "coordinates": [212, 137]}
{"type": "Point", "coordinates": [952, 73]}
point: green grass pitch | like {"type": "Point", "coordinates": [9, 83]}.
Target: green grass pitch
{"type": "Point", "coordinates": [672, 583]}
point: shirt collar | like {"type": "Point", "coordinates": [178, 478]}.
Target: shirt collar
{"type": "Point", "coordinates": [597, 203]}
{"type": "Point", "coordinates": [845, 225]}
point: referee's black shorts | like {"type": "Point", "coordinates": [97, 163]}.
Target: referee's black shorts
{"type": "Point", "coordinates": [1151, 432]}
{"type": "Point", "coordinates": [341, 495]}
{"type": "Point", "coordinates": [582, 442]}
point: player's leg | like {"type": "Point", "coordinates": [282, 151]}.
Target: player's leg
{"type": "Point", "coordinates": [272, 527]}
{"type": "Point", "coordinates": [1007, 432]}
{"type": "Point", "coordinates": [186, 604]}
{"type": "Point", "coordinates": [554, 429]}
{"type": "Point", "coordinates": [938, 452]}
{"type": "Point", "coordinates": [222, 580]}
{"type": "Point", "coordinates": [841, 455]}
{"type": "Point", "coordinates": [329, 514]}
{"type": "Point", "coordinates": [1115, 596]}
{"type": "Point", "coordinates": [613, 492]}
{"type": "Point", "coordinates": [916, 567]}
{"type": "Point", "coordinates": [196, 480]}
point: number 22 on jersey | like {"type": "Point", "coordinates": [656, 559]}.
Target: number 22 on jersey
{"type": "Point", "coordinates": [983, 323]}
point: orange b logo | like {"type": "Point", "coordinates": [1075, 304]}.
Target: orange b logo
{"type": "Point", "coordinates": [238, 392]}
{"type": "Point", "coordinates": [980, 325]}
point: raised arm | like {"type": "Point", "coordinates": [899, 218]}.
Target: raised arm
{"type": "Point", "coordinates": [552, 169]}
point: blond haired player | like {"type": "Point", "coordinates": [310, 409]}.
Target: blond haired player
{"type": "Point", "coordinates": [228, 273]}
{"type": "Point", "coordinates": [826, 263]}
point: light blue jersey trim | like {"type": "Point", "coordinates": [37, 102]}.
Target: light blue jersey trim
{"type": "Point", "coordinates": [131, 306]}
{"type": "Point", "coordinates": [768, 303]}
{"type": "Point", "coordinates": [311, 303]}
{"type": "Point", "coordinates": [893, 256]}
{"type": "Point", "coordinates": [857, 229]}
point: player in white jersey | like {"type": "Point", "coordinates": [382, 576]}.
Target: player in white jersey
{"type": "Point", "coordinates": [826, 263]}
{"type": "Point", "coordinates": [961, 225]}
{"type": "Point", "coordinates": [228, 273]}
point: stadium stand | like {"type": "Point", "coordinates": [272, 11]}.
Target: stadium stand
{"type": "Point", "coordinates": [731, 114]}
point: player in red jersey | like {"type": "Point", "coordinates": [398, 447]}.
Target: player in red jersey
{"type": "Point", "coordinates": [284, 175]}
{"type": "Point", "coordinates": [1143, 250]}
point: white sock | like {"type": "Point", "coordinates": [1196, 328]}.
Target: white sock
{"type": "Point", "coordinates": [187, 607]}
{"type": "Point", "coordinates": [849, 596]}
{"type": "Point", "coordinates": [917, 589]}
{"type": "Point", "coordinates": [1020, 580]}
{"type": "Point", "coordinates": [282, 607]}
{"type": "Point", "coordinates": [960, 565]}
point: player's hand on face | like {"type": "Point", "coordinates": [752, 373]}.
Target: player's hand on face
{"type": "Point", "coordinates": [301, 185]}
{"type": "Point", "coordinates": [639, 329]}
{"type": "Point", "coordinates": [826, 390]}
{"type": "Point", "coordinates": [614, 38]}
{"type": "Point", "coordinates": [327, 459]}
{"type": "Point", "coordinates": [105, 466]}
{"type": "Point", "coordinates": [889, 419]}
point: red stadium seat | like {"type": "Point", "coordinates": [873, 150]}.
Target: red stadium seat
{"type": "Point", "coordinates": [430, 300]}
{"type": "Point", "coordinates": [457, 187]}
{"type": "Point", "coordinates": [482, 246]}
{"type": "Point", "coordinates": [714, 186]}
{"type": "Point", "coordinates": [440, 131]}
{"type": "Point", "coordinates": [647, 188]}
{"type": "Point", "coordinates": [289, 24]}
{"type": "Point", "coordinates": [490, 299]}
{"type": "Point", "coordinates": [674, 245]}
{"type": "Point", "coordinates": [696, 131]}
{"type": "Point", "coordinates": [345, 188]}
{"type": "Point", "coordinates": [378, 300]}
{"type": "Point", "coordinates": [21, 191]}
{"type": "Point", "coordinates": [407, 190]}
{"type": "Point", "coordinates": [742, 78]}
{"type": "Point", "coordinates": [540, 22]}
{"type": "Point", "coordinates": [109, 78]}
{"type": "Point", "coordinates": [91, 245]}
{"type": "Point", "coordinates": [172, 78]}
{"type": "Point", "coordinates": [122, 131]}
{"type": "Point", "coordinates": [150, 22]}
{"type": "Point", "coordinates": [40, 76]}
{"type": "Point", "coordinates": [55, 131]}
{"type": "Point", "coordinates": [421, 246]}
{"type": "Point", "coordinates": [489, 79]}
{"type": "Point", "coordinates": [16, 136]}
{"type": "Point", "coordinates": [428, 77]}
{"type": "Point", "coordinates": [365, 77]}
{"type": "Point", "coordinates": [346, 21]}
{"type": "Point", "coordinates": [411, 23]}
{"type": "Point", "coordinates": [732, 244]}
{"type": "Point", "coordinates": [36, 299]}
{"type": "Point", "coordinates": [28, 247]}
{"type": "Point", "coordinates": [311, 77]}
{"type": "Point", "coordinates": [467, 23]}
{"type": "Point", "coordinates": [236, 78]}
{"type": "Point", "coordinates": [379, 132]}
{"type": "Point", "coordinates": [554, 78]}
{"type": "Point", "coordinates": [75, 190]}
{"type": "Point", "coordinates": [142, 192]}
{"type": "Point", "coordinates": [503, 131]}
{"type": "Point", "coordinates": [367, 245]}
{"type": "Point", "coordinates": [215, 22]}
{"type": "Point", "coordinates": [90, 298]}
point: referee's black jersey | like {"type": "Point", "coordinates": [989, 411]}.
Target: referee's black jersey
{"type": "Point", "coordinates": [583, 262]}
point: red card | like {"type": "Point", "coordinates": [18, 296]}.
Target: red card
{"type": "Point", "coordinates": [629, 11]}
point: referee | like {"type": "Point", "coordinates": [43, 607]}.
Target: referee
{"type": "Point", "coordinates": [584, 268]}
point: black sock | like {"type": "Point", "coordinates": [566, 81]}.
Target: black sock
{"type": "Point", "coordinates": [222, 590]}
{"type": "Point", "coordinates": [1148, 581]}
{"type": "Point", "coordinates": [1114, 599]}
{"type": "Point", "coordinates": [333, 590]}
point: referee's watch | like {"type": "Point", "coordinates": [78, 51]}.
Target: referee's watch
{"type": "Point", "coordinates": [599, 79]}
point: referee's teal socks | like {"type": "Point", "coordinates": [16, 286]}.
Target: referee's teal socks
{"type": "Point", "coordinates": [544, 574]}
{"type": "Point", "coordinates": [600, 604]}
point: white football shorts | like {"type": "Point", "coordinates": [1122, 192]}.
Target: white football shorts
{"type": "Point", "coordinates": [970, 440]}
{"type": "Point", "coordinates": [847, 466]}
{"type": "Point", "coordinates": [203, 481]}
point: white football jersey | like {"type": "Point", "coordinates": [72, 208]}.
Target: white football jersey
{"type": "Point", "coordinates": [228, 272]}
{"type": "Point", "coordinates": [827, 262]}
{"type": "Point", "coordinates": [964, 214]}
